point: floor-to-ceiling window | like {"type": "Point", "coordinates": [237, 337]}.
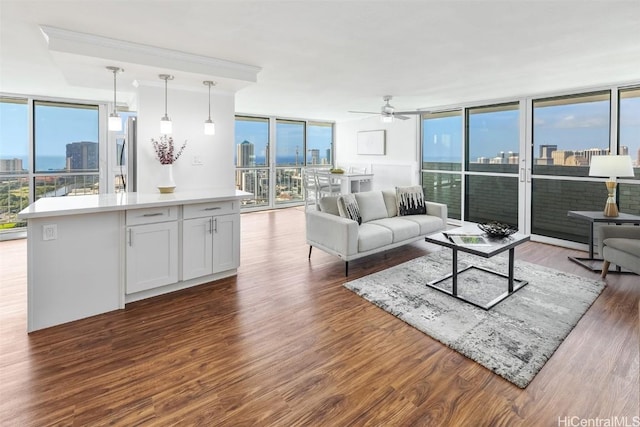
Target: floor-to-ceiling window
{"type": "Point", "coordinates": [47, 149]}
{"type": "Point", "coordinates": [272, 171]}
{"type": "Point", "coordinates": [526, 161]}
{"type": "Point", "coordinates": [492, 162]}
{"type": "Point", "coordinates": [14, 162]}
{"type": "Point", "coordinates": [252, 159]}
{"type": "Point", "coordinates": [290, 158]}
{"type": "Point", "coordinates": [66, 149]}
{"type": "Point", "coordinates": [629, 143]}
{"type": "Point", "coordinates": [442, 159]}
{"type": "Point", "coordinates": [567, 132]}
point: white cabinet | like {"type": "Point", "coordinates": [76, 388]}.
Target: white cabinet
{"type": "Point", "coordinates": [197, 247]}
{"type": "Point", "coordinates": [152, 249]}
{"type": "Point", "coordinates": [226, 242]}
{"type": "Point", "coordinates": [210, 243]}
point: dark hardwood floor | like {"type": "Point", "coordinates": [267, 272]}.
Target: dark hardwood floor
{"type": "Point", "coordinates": [285, 344]}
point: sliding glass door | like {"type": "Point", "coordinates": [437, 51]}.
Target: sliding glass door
{"type": "Point", "coordinates": [526, 162]}
{"type": "Point", "coordinates": [271, 154]}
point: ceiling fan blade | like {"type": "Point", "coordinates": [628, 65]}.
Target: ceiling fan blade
{"type": "Point", "coordinates": [411, 112]}
{"type": "Point", "coordinates": [401, 117]}
{"type": "Point", "coordinates": [364, 112]}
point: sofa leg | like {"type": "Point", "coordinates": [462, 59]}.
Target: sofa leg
{"type": "Point", "coordinates": [605, 268]}
{"type": "Point", "coordinates": [346, 268]}
{"type": "Point", "coordinates": [310, 247]}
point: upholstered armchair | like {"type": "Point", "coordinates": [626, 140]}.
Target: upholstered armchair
{"type": "Point", "coordinates": [620, 245]}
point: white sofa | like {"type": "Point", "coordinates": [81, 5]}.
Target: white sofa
{"type": "Point", "coordinates": [381, 227]}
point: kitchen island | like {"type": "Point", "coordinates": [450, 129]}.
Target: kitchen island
{"type": "Point", "coordinates": [88, 255]}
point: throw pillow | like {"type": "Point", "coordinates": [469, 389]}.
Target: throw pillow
{"type": "Point", "coordinates": [410, 200]}
{"type": "Point", "coordinates": [329, 204]}
{"type": "Point", "coordinates": [348, 207]}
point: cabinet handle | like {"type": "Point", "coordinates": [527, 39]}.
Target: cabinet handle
{"type": "Point", "coordinates": [130, 237]}
{"type": "Point", "coordinates": [215, 223]}
{"type": "Point", "coordinates": [212, 209]}
{"type": "Point", "coordinates": [210, 225]}
{"type": "Point", "coordinates": [154, 214]}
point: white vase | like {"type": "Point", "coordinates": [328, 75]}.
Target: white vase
{"type": "Point", "coordinates": [166, 184]}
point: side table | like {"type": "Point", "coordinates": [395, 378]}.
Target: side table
{"type": "Point", "coordinates": [593, 217]}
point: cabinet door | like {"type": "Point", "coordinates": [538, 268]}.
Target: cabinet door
{"type": "Point", "coordinates": [152, 256]}
{"type": "Point", "coordinates": [197, 247]}
{"type": "Point", "coordinates": [226, 242]}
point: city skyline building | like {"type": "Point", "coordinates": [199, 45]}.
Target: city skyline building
{"type": "Point", "coordinates": [11, 165]}
{"type": "Point", "coordinates": [82, 155]}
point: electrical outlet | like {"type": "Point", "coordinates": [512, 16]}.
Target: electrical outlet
{"type": "Point", "coordinates": [49, 232]}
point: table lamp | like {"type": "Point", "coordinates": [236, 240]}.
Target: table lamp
{"type": "Point", "coordinates": [612, 167]}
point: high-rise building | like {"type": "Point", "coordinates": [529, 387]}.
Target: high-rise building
{"type": "Point", "coordinates": [588, 154]}
{"type": "Point", "coordinates": [11, 165]}
{"type": "Point", "coordinates": [82, 155]}
{"type": "Point", "coordinates": [546, 154]}
{"type": "Point", "coordinates": [245, 154]}
{"type": "Point", "coordinates": [328, 158]}
{"type": "Point", "coordinates": [315, 156]}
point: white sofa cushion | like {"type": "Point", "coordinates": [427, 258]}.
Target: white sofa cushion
{"type": "Point", "coordinates": [389, 197]}
{"type": "Point", "coordinates": [428, 224]}
{"type": "Point", "coordinates": [401, 228]}
{"type": "Point", "coordinates": [371, 204]}
{"type": "Point", "coordinates": [372, 236]}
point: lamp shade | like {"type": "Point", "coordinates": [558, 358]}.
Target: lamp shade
{"type": "Point", "coordinates": [209, 127]}
{"type": "Point", "coordinates": [611, 166]}
{"type": "Point", "coordinates": [166, 126]}
{"type": "Point", "coordinates": [115, 123]}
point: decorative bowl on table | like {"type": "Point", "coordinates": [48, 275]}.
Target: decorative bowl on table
{"type": "Point", "coordinates": [497, 229]}
{"type": "Point", "coordinates": [338, 170]}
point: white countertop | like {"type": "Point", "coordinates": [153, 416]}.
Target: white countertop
{"type": "Point", "coordinates": [74, 205]}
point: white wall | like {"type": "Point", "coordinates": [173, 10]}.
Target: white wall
{"type": "Point", "coordinates": [400, 164]}
{"type": "Point", "coordinates": [187, 110]}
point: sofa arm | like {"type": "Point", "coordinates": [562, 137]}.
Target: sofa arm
{"type": "Point", "coordinates": [438, 209]}
{"type": "Point", "coordinates": [623, 231]}
{"type": "Point", "coordinates": [332, 232]}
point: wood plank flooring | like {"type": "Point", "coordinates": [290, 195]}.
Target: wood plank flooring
{"type": "Point", "coordinates": [285, 344]}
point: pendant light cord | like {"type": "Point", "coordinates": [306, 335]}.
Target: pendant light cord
{"type": "Point", "coordinates": [165, 96]}
{"type": "Point", "coordinates": [114, 91]}
{"type": "Point", "coordinates": [209, 101]}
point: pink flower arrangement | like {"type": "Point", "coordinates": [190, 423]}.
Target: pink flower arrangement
{"type": "Point", "coordinates": [165, 151]}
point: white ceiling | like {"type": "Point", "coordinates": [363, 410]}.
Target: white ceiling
{"type": "Point", "coordinates": [320, 59]}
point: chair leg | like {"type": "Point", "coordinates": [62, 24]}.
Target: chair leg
{"type": "Point", "coordinates": [346, 268]}
{"type": "Point", "coordinates": [605, 268]}
{"type": "Point", "coordinates": [310, 248]}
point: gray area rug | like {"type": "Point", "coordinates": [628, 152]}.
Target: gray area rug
{"type": "Point", "coordinates": [515, 338]}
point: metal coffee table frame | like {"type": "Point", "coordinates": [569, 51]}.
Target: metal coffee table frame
{"type": "Point", "coordinates": [496, 247]}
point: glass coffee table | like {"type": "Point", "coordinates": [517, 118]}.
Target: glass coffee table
{"type": "Point", "coordinates": [480, 245]}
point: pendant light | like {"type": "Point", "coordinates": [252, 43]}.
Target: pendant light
{"type": "Point", "coordinates": [165, 122]}
{"type": "Point", "coordinates": [209, 125]}
{"type": "Point", "coordinates": [115, 123]}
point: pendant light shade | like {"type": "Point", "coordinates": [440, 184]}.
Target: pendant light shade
{"type": "Point", "coordinates": [166, 126]}
{"type": "Point", "coordinates": [115, 123]}
{"type": "Point", "coordinates": [209, 125]}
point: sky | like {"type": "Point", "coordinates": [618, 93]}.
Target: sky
{"type": "Point", "coordinates": [570, 127]}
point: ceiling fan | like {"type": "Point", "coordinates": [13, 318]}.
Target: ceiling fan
{"type": "Point", "coordinates": [388, 112]}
